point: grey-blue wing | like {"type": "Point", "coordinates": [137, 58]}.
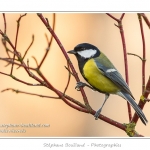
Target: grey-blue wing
{"type": "Point", "coordinates": [114, 76]}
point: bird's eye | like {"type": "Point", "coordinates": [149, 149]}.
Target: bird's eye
{"type": "Point", "coordinates": [82, 48]}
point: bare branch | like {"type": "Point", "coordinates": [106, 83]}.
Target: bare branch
{"type": "Point", "coordinates": [69, 71]}
{"type": "Point", "coordinates": [27, 49]}
{"type": "Point", "coordinates": [35, 60]}
{"type": "Point", "coordinates": [6, 48]}
{"type": "Point", "coordinates": [9, 60]}
{"type": "Point", "coordinates": [18, 25]}
{"type": "Point", "coordinates": [43, 81]}
{"type": "Point", "coordinates": [4, 23]}
{"type": "Point", "coordinates": [49, 42]}
{"type": "Point", "coordinates": [143, 100]}
{"type": "Point", "coordinates": [112, 17]}
{"type": "Point", "coordinates": [122, 16]}
{"type": "Point", "coordinates": [69, 76]}
{"type": "Point", "coordinates": [30, 84]}
{"type": "Point", "coordinates": [120, 26]}
{"type": "Point", "coordinates": [145, 19]}
{"type": "Point", "coordinates": [65, 54]}
{"type": "Point", "coordinates": [135, 55]}
{"type": "Point", "coordinates": [144, 52]}
{"type": "Point", "coordinates": [28, 93]}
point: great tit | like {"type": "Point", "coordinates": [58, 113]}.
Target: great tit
{"type": "Point", "coordinates": [101, 74]}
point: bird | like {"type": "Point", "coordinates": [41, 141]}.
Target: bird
{"type": "Point", "coordinates": [102, 76]}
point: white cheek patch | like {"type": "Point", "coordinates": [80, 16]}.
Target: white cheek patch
{"type": "Point", "coordinates": [87, 53]}
{"type": "Point", "coordinates": [111, 70]}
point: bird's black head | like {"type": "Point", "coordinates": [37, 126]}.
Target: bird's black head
{"type": "Point", "coordinates": [85, 51]}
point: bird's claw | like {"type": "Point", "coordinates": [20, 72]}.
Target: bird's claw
{"type": "Point", "coordinates": [79, 84]}
{"type": "Point", "coordinates": [97, 114]}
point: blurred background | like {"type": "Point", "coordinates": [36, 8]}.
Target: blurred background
{"type": "Point", "coordinates": [62, 120]}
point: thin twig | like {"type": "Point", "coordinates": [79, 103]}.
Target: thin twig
{"type": "Point", "coordinates": [28, 93]}
{"type": "Point", "coordinates": [69, 77]}
{"type": "Point", "coordinates": [65, 54]}
{"type": "Point", "coordinates": [4, 23]}
{"type": "Point", "coordinates": [28, 63]}
{"type": "Point", "coordinates": [69, 71]}
{"type": "Point", "coordinates": [74, 104]}
{"type": "Point", "coordinates": [145, 19]}
{"type": "Point", "coordinates": [122, 16]}
{"type": "Point", "coordinates": [44, 96]}
{"type": "Point", "coordinates": [49, 42]}
{"type": "Point", "coordinates": [120, 26]}
{"type": "Point", "coordinates": [142, 101]}
{"type": "Point", "coordinates": [19, 58]}
{"type": "Point", "coordinates": [5, 46]}
{"type": "Point", "coordinates": [144, 52]}
{"type": "Point", "coordinates": [76, 76]}
{"type": "Point", "coordinates": [147, 100]}
{"type": "Point", "coordinates": [45, 82]}
{"type": "Point", "coordinates": [27, 49]}
{"type": "Point", "coordinates": [9, 60]}
{"type": "Point", "coordinates": [112, 17]}
{"type": "Point", "coordinates": [4, 73]}
{"type": "Point", "coordinates": [35, 60]}
{"type": "Point", "coordinates": [15, 78]}
{"type": "Point", "coordinates": [135, 55]}
{"type": "Point", "coordinates": [16, 40]}
{"type": "Point", "coordinates": [60, 94]}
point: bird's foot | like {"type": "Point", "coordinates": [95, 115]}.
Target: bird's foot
{"type": "Point", "coordinates": [97, 114]}
{"type": "Point", "coordinates": [81, 84]}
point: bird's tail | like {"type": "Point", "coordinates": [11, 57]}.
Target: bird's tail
{"type": "Point", "coordinates": [134, 105]}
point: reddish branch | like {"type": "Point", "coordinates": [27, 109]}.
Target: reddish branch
{"type": "Point", "coordinates": [141, 103]}
{"type": "Point", "coordinates": [4, 23]}
{"type": "Point", "coordinates": [69, 77]}
{"type": "Point", "coordinates": [49, 42]}
{"type": "Point", "coordinates": [46, 23]}
{"type": "Point", "coordinates": [28, 49]}
{"type": "Point", "coordinates": [120, 26]}
{"type": "Point", "coordinates": [10, 61]}
{"type": "Point", "coordinates": [3, 41]}
{"type": "Point", "coordinates": [18, 25]}
{"type": "Point", "coordinates": [144, 53]}
{"type": "Point", "coordinates": [145, 19]}
{"type": "Point", "coordinates": [145, 91]}
{"type": "Point", "coordinates": [108, 120]}
{"type": "Point", "coordinates": [42, 81]}
{"type": "Point", "coordinates": [28, 93]}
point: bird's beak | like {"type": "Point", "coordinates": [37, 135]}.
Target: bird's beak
{"type": "Point", "coordinates": [72, 52]}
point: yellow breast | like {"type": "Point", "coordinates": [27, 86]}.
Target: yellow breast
{"type": "Point", "coordinates": [97, 79]}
